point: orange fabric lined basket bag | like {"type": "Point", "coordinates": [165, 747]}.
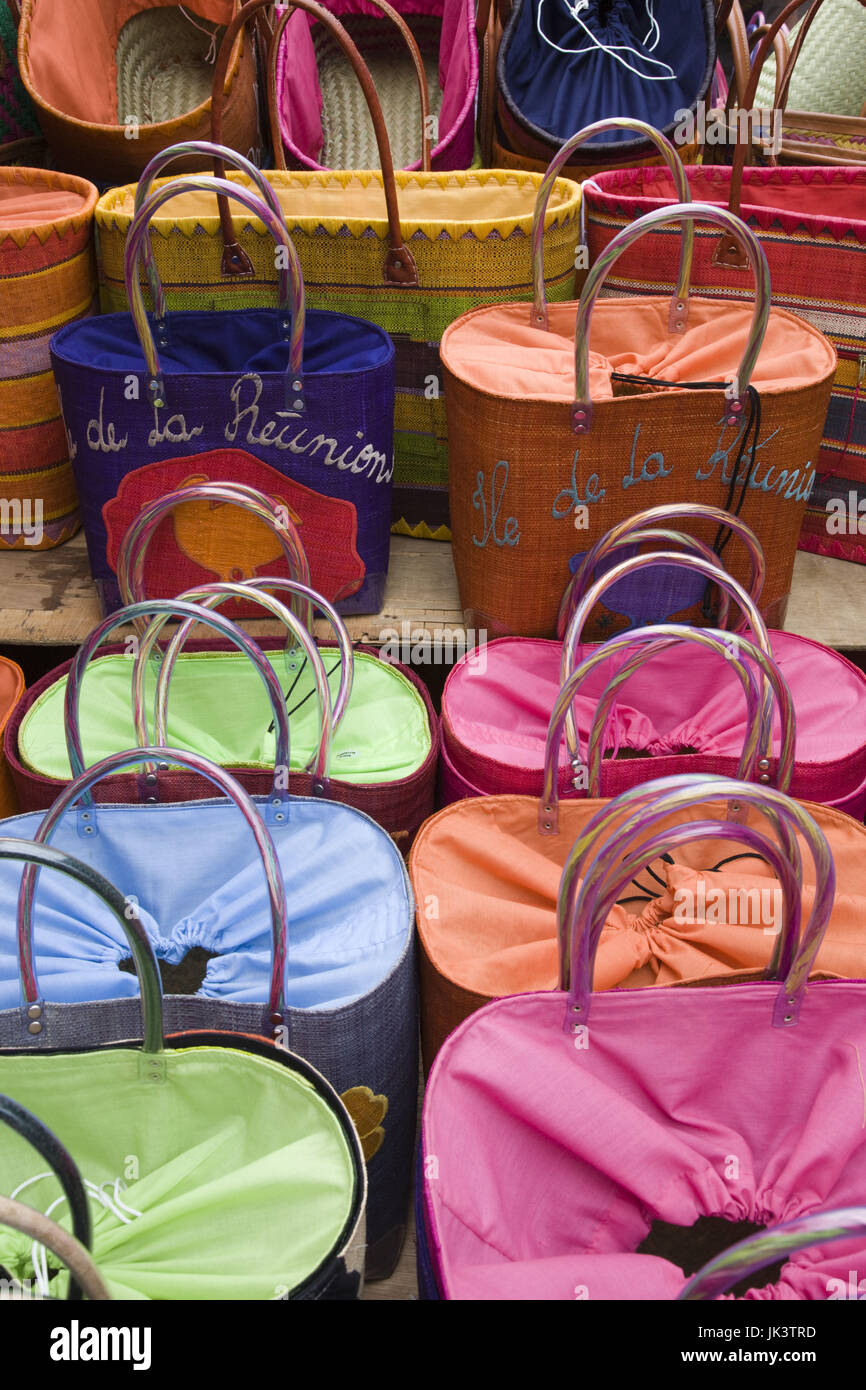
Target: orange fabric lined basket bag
{"type": "Point", "coordinates": [565, 420]}
{"type": "Point", "coordinates": [116, 81]}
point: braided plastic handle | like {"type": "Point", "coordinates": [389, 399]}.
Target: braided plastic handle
{"type": "Point", "coordinates": [210, 596]}
{"type": "Point", "coordinates": [136, 541]}
{"type": "Point", "coordinates": [680, 301]}
{"type": "Point", "coordinates": [720, 577]}
{"type": "Point", "coordinates": [292, 313]}
{"type": "Point", "coordinates": [736, 393]}
{"type": "Point", "coordinates": [276, 1009]}
{"type": "Point", "coordinates": [177, 608]}
{"type": "Point", "coordinates": [651, 641]}
{"type": "Point", "coordinates": [36, 856]}
{"type": "Point", "coordinates": [771, 1246]}
{"type": "Point", "coordinates": [584, 576]}
{"type": "Point", "coordinates": [633, 529]}
{"type": "Point", "coordinates": [584, 912]}
{"type": "Point", "coordinates": [182, 151]}
{"type": "Point", "coordinates": [341, 632]}
{"type": "Point", "coordinates": [589, 902]}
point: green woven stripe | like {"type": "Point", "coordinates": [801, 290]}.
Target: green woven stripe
{"type": "Point", "coordinates": [423, 316]}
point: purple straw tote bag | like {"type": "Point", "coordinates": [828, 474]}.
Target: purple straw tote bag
{"type": "Point", "coordinates": [310, 395]}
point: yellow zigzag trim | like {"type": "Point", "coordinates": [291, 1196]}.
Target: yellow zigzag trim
{"type": "Point", "coordinates": [61, 227]}
{"type": "Point", "coordinates": [114, 209]}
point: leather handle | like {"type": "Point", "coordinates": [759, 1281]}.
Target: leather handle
{"type": "Point", "coordinates": [235, 260]}
{"type": "Point", "coordinates": [739, 40]}
{"type": "Point", "coordinates": [782, 54]}
{"type": "Point", "coordinates": [728, 253]}
{"type": "Point", "coordinates": [84, 1277]}
{"type": "Point", "coordinates": [723, 11]}
{"type": "Point", "coordinates": [417, 62]}
{"type": "Point", "coordinates": [400, 268]}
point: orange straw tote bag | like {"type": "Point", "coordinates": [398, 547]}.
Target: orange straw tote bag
{"type": "Point", "coordinates": [116, 81]}
{"type": "Point", "coordinates": [559, 431]}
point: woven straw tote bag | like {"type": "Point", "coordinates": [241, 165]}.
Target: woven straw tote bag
{"type": "Point", "coordinates": [409, 251]}
{"type": "Point", "coordinates": [323, 119]}
{"type": "Point", "coordinates": [46, 243]}
{"type": "Point", "coordinates": [584, 1128]}
{"type": "Point", "coordinates": [555, 426]}
{"type": "Point", "coordinates": [83, 63]}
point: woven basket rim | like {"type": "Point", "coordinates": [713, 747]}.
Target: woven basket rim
{"type": "Point", "coordinates": [50, 179]}
{"type": "Point", "coordinates": [684, 391]}
{"type": "Point", "coordinates": [162, 129]}
{"type": "Point", "coordinates": [109, 217]}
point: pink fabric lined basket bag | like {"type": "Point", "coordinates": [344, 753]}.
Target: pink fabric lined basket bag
{"type": "Point", "coordinates": [299, 90]}
{"type": "Point", "coordinates": [554, 1150]}
{"type": "Point", "coordinates": [680, 713]}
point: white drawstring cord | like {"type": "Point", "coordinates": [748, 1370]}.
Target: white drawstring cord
{"type": "Point", "coordinates": [210, 56]}
{"type": "Point", "coordinates": [613, 50]}
{"type": "Point", "coordinates": [38, 1253]}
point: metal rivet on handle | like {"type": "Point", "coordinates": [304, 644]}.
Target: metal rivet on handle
{"type": "Point", "coordinates": [681, 307]}
{"type": "Point", "coordinates": [298, 404]}
{"type": "Point", "coordinates": [764, 764]}
{"type": "Point", "coordinates": [150, 778]}
{"type": "Point", "coordinates": [297, 386]}
{"type": "Point", "coordinates": [34, 1028]}
{"type": "Point", "coordinates": [764, 777]}
{"type": "Point", "coordinates": [88, 829]}
{"type": "Point", "coordinates": [736, 406]}
{"type": "Point", "coordinates": [679, 323]}
{"type": "Point", "coordinates": [34, 1011]}
{"type": "Point", "coordinates": [163, 767]}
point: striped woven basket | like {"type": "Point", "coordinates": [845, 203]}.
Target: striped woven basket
{"type": "Point", "coordinates": [47, 279]}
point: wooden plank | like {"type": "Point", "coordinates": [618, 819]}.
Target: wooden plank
{"type": "Point", "coordinates": [47, 598]}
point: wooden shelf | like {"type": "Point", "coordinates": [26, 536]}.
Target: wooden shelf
{"type": "Point", "coordinates": [47, 597]}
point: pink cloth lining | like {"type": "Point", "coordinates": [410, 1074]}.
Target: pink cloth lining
{"type": "Point", "coordinates": [552, 1161]}
{"type": "Point", "coordinates": [300, 96]}
{"type": "Point", "coordinates": [495, 720]}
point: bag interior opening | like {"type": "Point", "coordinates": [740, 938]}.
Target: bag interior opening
{"type": "Point", "coordinates": [185, 977]}
{"type": "Point", "coordinates": [349, 141]}
{"type": "Point", "coordinates": [691, 1247]}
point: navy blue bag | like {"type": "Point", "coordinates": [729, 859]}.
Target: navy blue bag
{"type": "Point", "coordinates": [564, 64]}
